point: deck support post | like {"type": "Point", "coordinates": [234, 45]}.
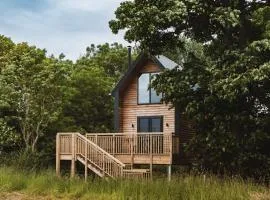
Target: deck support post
{"type": "Point", "coordinates": [86, 162]}
{"type": "Point", "coordinates": [151, 171]}
{"type": "Point", "coordinates": [57, 160]}
{"type": "Point", "coordinates": [169, 169]}
{"type": "Point", "coordinates": [72, 173]}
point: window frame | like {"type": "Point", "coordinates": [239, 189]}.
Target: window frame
{"type": "Point", "coordinates": [150, 96]}
{"type": "Point", "coordinates": [150, 123]}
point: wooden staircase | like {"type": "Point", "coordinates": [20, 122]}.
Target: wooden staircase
{"type": "Point", "coordinates": [76, 147]}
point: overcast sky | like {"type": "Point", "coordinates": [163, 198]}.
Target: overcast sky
{"type": "Point", "coordinates": [67, 26]}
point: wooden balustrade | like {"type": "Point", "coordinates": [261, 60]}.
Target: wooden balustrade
{"type": "Point", "coordinates": [80, 147]}
{"type": "Point", "coordinates": [65, 143]}
{"type": "Point", "coordinates": [139, 143]}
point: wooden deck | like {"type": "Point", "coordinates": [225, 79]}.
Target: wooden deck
{"type": "Point", "coordinates": [109, 154]}
{"type": "Point", "coordinates": [143, 148]}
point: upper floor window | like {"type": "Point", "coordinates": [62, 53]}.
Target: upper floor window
{"type": "Point", "coordinates": [147, 94]}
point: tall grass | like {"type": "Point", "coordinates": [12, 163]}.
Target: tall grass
{"type": "Point", "coordinates": [181, 187]}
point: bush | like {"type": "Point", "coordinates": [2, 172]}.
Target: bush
{"type": "Point", "coordinates": [26, 160]}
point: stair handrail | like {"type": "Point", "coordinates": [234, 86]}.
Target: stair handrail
{"type": "Point", "coordinates": [100, 149]}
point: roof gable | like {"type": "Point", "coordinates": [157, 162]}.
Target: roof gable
{"type": "Point", "coordinates": [162, 61]}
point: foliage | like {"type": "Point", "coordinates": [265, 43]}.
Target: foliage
{"type": "Point", "coordinates": [26, 160]}
{"type": "Point", "coordinates": [222, 22]}
{"type": "Point", "coordinates": [6, 45]}
{"type": "Point", "coordinates": [224, 85]}
{"type": "Point", "coordinates": [9, 139]}
{"type": "Point", "coordinates": [41, 95]}
{"type": "Point", "coordinates": [31, 87]}
{"type": "Point", "coordinates": [112, 58]}
{"type": "Point", "coordinates": [90, 106]}
{"type": "Point", "coordinates": [46, 184]}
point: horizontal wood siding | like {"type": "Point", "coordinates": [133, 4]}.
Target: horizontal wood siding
{"type": "Point", "coordinates": [130, 110]}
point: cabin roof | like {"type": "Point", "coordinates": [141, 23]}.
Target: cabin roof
{"type": "Point", "coordinates": [166, 62]}
{"type": "Point", "coordinates": [162, 61]}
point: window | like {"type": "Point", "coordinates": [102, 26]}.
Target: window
{"type": "Point", "coordinates": [150, 124]}
{"type": "Point", "coordinates": [144, 82]}
{"type": "Point", "coordinates": [146, 94]}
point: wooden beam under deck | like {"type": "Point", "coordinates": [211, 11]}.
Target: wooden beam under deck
{"type": "Point", "coordinates": [145, 159]}
{"type": "Point", "coordinates": [65, 157]}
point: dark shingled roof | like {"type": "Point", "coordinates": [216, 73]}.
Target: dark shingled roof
{"type": "Point", "coordinates": [162, 61]}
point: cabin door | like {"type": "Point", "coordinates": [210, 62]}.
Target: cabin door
{"type": "Point", "coordinates": [149, 130]}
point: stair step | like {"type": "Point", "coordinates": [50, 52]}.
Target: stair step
{"type": "Point", "coordinates": [137, 173]}
{"type": "Point", "coordinates": [91, 167]}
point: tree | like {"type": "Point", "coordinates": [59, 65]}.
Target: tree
{"type": "Point", "coordinates": [90, 106]}
{"type": "Point", "coordinates": [6, 45]}
{"type": "Point", "coordinates": [224, 85]}
{"type": "Point", "coordinates": [112, 58]}
{"type": "Point", "coordinates": [158, 24]}
{"type": "Point", "coordinates": [31, 86]}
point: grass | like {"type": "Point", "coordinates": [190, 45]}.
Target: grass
{"type": "Point", "coordinates": [46, 184]}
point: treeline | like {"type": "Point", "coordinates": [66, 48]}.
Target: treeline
{"type": "Point", "coordinates": [41, 95]}
{"type": "Point", "coordinates": [224, 48]}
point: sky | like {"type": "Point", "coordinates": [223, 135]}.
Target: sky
{"type": "Point", "coordinates": [59, 26]}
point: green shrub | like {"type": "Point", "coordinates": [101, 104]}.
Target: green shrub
{"type": "Point", "coordinates": [25, 160]}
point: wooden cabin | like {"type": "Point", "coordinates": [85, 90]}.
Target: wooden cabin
{"type": "Point", "coordinates": [147, 131]}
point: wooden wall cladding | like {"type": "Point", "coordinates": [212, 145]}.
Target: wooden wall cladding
{"type": "Point", "coordinates": [130, 110]}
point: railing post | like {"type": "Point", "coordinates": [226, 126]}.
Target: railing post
{"type": "Point", "coordinates": [57, 161]}
{"type": "Point", "coordinates": [86, 161]}
{"type": "Point", "coordinates": [73, 146]}
{"type": "Point", "coordinates": [151, 156]}
{"type": "Point", "coordinates": [132, 145]}
{"type": "Point", "coordinates": [113, 144]}
{"type": "Point", "coordinates": [103, 163]}
{"type": "Point", "coordinates": [171, 146]}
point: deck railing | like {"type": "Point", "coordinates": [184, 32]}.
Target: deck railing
{"type": "Point", "coordinates": [76, 144]}
{"type": "Point", "coordinates": [138, 143]}
{"type": "Point", "coordinates": [65, 143]}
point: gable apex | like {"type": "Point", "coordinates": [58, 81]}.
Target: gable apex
{"type": "Point", "coordinates": [162, 61]}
